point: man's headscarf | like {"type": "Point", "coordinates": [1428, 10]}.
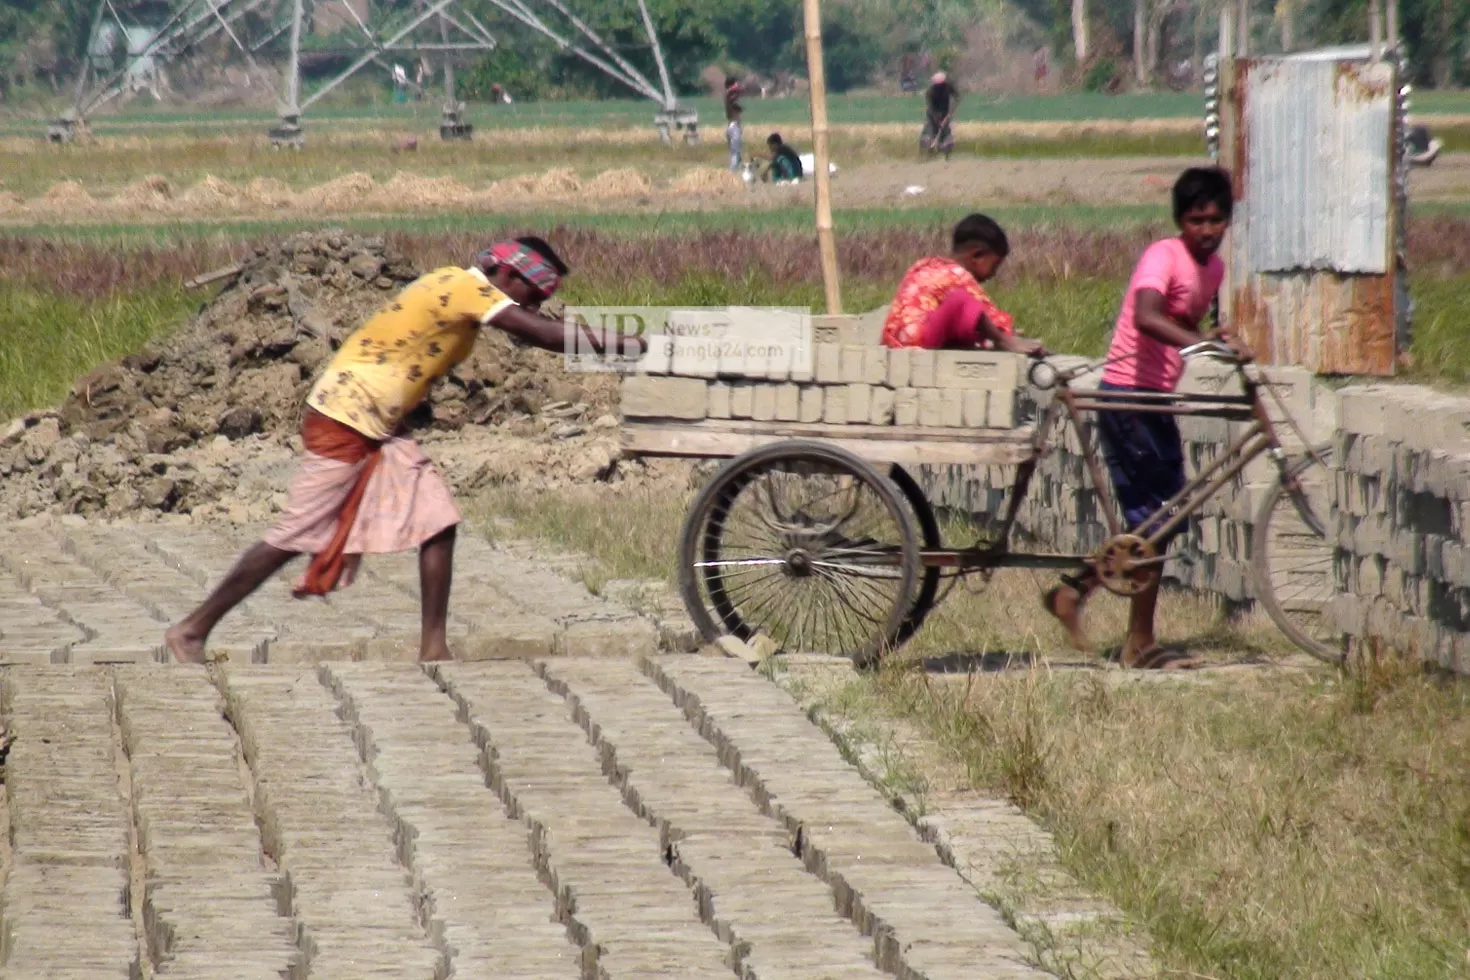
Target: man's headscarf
{"type": "Point", "coordinates": [530, 264]}
{"type": "Point", "coordinates": [939, 78]}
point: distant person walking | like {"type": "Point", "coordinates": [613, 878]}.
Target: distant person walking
{"type": "Point", "coordinates": [940, 103]}
{"type": "Point", "coordinates": [733, 110]}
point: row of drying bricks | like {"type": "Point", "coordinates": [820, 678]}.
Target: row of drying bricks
{"type": "Point", "coordinates": [622, 833]}
{"type": "Point", "coordinates": [105, 594]}
{"type": "Point", "coordinates": [849, 384]}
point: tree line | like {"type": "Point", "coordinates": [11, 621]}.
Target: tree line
{"type": "Point", "coordinates": [1095, 44]}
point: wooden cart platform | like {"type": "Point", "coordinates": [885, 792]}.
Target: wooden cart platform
{"type": "Point", "coordinates": [903, 444]}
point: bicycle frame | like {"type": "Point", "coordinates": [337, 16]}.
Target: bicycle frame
{"type": "Point", "coordinates": [1258, 438]}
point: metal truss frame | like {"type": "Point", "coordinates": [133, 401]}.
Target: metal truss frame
{"type": "Point", "coordinates": [193, 22]}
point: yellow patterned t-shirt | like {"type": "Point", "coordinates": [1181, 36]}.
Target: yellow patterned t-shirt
{"type": "Point", "coordinates": [384, 369]}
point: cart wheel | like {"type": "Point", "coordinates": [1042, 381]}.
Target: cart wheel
{"type": "Point", "coordinates": [805, 543]}
{"type": "Point", "coordinates": [928, 528]}
{"type": "Point", "coordinates": [1292, 557]}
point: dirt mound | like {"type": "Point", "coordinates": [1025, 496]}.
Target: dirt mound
{"type": "Point", "coordinates": [617, 183]}
{"type": "Point", "coordinates": [169, 428]}
{"type": "Point", "coordinates": [11, 202]}
{"type": "Point", "coordinates": [706, 180]}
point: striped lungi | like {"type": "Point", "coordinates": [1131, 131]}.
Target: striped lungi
{"type": "Point", "coordinates": [354, 496]}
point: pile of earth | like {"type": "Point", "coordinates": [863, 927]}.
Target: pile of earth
{"type": "Point", "coordinates": [206, 421]}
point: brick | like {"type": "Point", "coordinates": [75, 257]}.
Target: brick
{"type": "Point", "coordinates": [898, 367]}
{"type": "Point", "coordinates": [854, 363]}
{"type": "Point", "coordinates": [931, 407]}
{"type": "Point", "coordinates": [810, 409]}
{"type": "Point", "coordinates": [788, 402]}
{"type": "Point", "coordinates": [875, 365]}
{"type": "Point", "coordinates": [1002, 411]}
{"type": "Point", "coordinates": [976, 407]}
{"type": "Point", "coordinates": [921, 368]}
{"type": "Point", "coordinates": [880, 409]}
{"type": "Point", "coordinates": [906, 406]}
{"type": "Point", "coordinates": [829, 364]}
{"type": "Point", "coordinates": [763, 408]}
{"type": "Point", "coordinates": [859, 402]}
{"type": "Point", "coordinates": [718, 400]}
{"type": "Point", "coordinates": [742, 401]}
{"type": "Point", "coordinates": [951, 408]}
{"type": "Point", "coordinates": [658, 358]}
{"type": "Point", "coordinates": [975, 369]}
{"type": "Point", "coordinates": [834, 404]}
{"type": "Point", "coordinates": [1363, 410]}
{"type": "Point", "coordinates": [648, 396]}
{"type": "Point", "coordinates": [692, 358]}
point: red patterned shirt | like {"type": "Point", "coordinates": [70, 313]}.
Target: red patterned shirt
{"type": "Point", "coordinates": [923, 288]}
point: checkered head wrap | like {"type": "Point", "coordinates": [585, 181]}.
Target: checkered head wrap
{"type": "Point", "coordinates": [526, 261]}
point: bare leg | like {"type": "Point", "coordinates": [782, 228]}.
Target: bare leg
{"type": "Point", "coordinates": [1141, 623]}
{"type": "Point", "coordinates": [1142, 649]}
{"type": "Point", "coordinates": [1065, 602]}
{"type": "Point", "coordinates": [436, 569]}
{"type": "Point", "coordinates": [259, 562]}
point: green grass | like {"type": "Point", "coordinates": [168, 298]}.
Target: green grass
{"type": "Point", "coordinates": [1441, 348]}
{"type": "Point", "coordinates": [648, 222]}
{"type": "Point", "coordinates": [843, 108]}
{"type": "Point", "coordinates": [48, 341]}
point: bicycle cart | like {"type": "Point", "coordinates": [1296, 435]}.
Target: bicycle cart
{"type": "Point", "coordinates": [801, 536]}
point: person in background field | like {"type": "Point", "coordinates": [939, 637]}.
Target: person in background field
{"type": "Point", "coordinates": [363, 486]}
{"type": "Point", "coordinates": [940, 303]}
{"type": "Point", "coordinates": [940, 103]}
{"type": "Point", "coordinates": [733, 109]}
{"type": "Point", "coordinates": [1172, 289]}
{"type": "Point", "coordinates": [785, 163]}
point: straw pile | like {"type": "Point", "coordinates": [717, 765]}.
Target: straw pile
{"type": "Point", "coordinates": [617, 183]}
{"type": "Point", "coordinates": [348, 191]}
{"type": "Point", "coordinates": [267, 192]}
{"type": "Point", "coordinates": [706, 180]}
{"type": "Point", "coordinates": [212, 194]}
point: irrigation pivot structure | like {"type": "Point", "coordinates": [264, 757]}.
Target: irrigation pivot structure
{"type": "Point", "coordinates": [132, 41]}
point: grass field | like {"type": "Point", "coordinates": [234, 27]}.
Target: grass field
{"type": "Point", "coordinates": [843, 108]}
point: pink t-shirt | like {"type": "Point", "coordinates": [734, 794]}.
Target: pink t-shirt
{"type": "Point", "coordinates": [1188, 289]}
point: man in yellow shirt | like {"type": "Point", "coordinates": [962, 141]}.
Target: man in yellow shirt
{"type": "Point", "coordinates": [363, 486]}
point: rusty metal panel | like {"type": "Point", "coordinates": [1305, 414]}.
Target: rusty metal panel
{"type": "Point", "coordinates": [1318, 169]}
{"type": "Point", "coordinates": [1299, 285]}
{"type": "Point", "coordinates": [1332, 323]}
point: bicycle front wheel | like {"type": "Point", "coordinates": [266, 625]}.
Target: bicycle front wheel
{"type": "Point", "coordinates": [805, 543]}
{"type": "Point", "coordinates": [1293, 556]}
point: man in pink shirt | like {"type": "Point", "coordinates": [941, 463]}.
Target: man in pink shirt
{"type": "Point", "coordinates": [1172, 289]}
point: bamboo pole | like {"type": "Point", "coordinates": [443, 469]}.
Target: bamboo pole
{"type": "Point", "coordinates": [811, 10]}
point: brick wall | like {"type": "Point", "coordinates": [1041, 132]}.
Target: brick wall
{"type": "Point", "coordinates": [1400, 473]}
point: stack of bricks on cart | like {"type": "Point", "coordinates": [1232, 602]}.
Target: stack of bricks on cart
{"type": "Point", "coordinates": [852, 380]}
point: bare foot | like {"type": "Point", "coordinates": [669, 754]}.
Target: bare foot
{"type": "Point", "coordinates": [1065, 603]}
{"type": "Point", "coordinates": [434, 655]}
{"type": "Point", "coordinates": [186, 648]}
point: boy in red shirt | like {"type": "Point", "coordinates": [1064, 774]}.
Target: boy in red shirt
{"type": "Point", "coordinates": [940, 303]}
{"type": "Point", "coordinates": [1172, 289]}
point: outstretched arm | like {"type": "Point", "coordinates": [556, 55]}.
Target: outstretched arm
{"type": "Point", "coordinates": [549, 334]}
{"type": "Point", "coordinates": [1007, 341]}
{"type": "Point", "coordinates": [1152, 321]}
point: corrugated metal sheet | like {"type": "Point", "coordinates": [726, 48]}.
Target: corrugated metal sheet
{"type": "Point", "coordinates": [1318, 168]}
